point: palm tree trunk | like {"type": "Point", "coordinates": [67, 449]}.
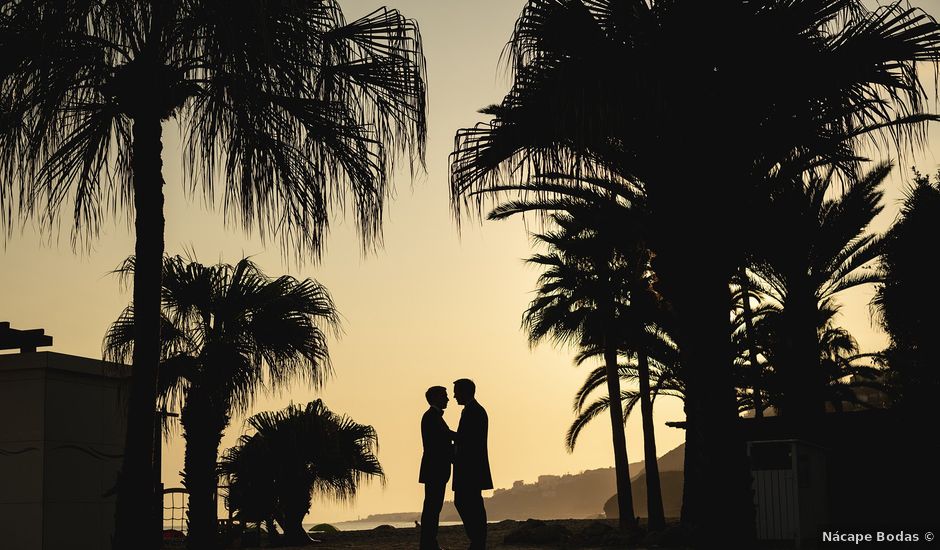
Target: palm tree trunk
{"type": "Point", "coordinates": [294, 534]}
{"type": "Point", "coordinates": [654, 494]}
{"type": "Point", "coordinates": [295, 499]}
{"type": "Point", "coordinates": [137, 507]}
{"type": "Point", "coordinates": [718, 465]}
{"type": "Point", "coordinates": [805, 385]}
{"type": "Point", "coordinates": [202, 429]}
{"type": "Point", "coordinates": [690, 232]}
{"type": "Point", "coordinates": [627, 514]}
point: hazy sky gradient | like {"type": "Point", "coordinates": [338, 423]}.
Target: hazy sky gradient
{"type": "Point", "coordinates": [432, 306]}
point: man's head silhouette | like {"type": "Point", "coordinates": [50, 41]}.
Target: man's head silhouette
{"type": "Point", "coordinates": [437, 397]}
{"type": "Point", "coordinates": [464, 390]}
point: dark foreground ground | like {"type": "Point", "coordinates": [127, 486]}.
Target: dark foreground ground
{"type": "Point", "coordinates": [558, 534]}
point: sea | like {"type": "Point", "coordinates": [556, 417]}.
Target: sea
{"type": "Point", "coordinates": [362, 525]}
{"type": "Point", "coordinates": [359, 525]}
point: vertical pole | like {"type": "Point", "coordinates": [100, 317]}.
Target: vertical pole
{"type": "Point", "coordinates": [157, 476]}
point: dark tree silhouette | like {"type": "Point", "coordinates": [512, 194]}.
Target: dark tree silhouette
{"type": "Point", "coordinates": [653, 378]}
{"type": "Point", "coordinates": [293, 453]}
{"type": "Point", "coordinates": [596, 292]}
{"type": "Point", "coordinates": [296, 109]}
{"type": "Point", "coordinates": [630, 87]}
{"type": "Point", "coordinates": [815, 246]}
{"type": "Point", "coordinates": [229, 333]}
{"type": "Point", "coordinates": [744, 334]}
{"type": "Point", "coordinates": [839, 368]}
{"type": "Point", "coordinates": [577, 302]}
{"type": "Point", "coordinates": [906, 302]}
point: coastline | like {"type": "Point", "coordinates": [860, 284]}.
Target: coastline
{"type": "Point", "coordinates": [565, 533]}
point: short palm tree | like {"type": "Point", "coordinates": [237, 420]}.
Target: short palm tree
{"type": "Point", "coordinates": [230, 332]}
{"type": "Point", "coordinates": [299, 112]}
{"type": "Point", "coordinates": [816, 245]}
{"type": "Point", "coordinates": [293, 453]}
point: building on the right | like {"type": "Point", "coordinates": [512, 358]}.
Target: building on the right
{"type": "Point", "coordinates": [860, 469]}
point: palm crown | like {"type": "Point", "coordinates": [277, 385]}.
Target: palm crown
{"type": "Point", "coordinates": [296, 107]}
{"type": "Point", "coordinates": [233, 331]}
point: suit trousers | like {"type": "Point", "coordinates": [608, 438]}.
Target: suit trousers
{"type": "Point", "coordinates": [431, 514]}
{"type": "Point", "coordinates": [469, 505]}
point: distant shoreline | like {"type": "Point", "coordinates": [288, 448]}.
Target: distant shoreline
{"type": "Point", "coordinates": [369, 524]}
{"type": "Point", "coordinates": [573, 533]}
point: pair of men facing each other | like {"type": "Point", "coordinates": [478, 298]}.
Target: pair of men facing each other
{"type": "Point", "coordinates": [466, 450]}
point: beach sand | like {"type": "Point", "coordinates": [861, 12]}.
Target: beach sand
{"type": "Point", "coordinates": [449, 538]}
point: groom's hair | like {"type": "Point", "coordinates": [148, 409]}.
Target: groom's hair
{"type": "Point", "coordinates": [467, 385]}
{"type": "Point", "coordinates": [434, 390]}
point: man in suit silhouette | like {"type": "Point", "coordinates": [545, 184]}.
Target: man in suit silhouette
{"type": "Point", "coordinates": [438, 454]}
{"type": "Point", "coordinates": [471, 464]}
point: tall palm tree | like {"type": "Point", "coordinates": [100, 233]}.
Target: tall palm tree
{"type": "Point", "coordinates": [230, 332]}
{"type": "Point", "coordinates": [596, 292]}
{"type": "Point", "coordinates": [629, 87]}
{"type": "Point", "coordinates": [577, 303]}
{"type": "Point", "coordinates": [604, 208]}
{"type": "Point", "coordinates": [652, 365]}
{"type": "Point", "coordinates": [298, 111]}
{"type": "Point", "coordinates": [293, 453]}
{"type": "Point", "coordinates": [816, 246]}
{"type": "Point", "coordinates": [906, 302]}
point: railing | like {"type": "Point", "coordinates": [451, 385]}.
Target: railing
{"type": "Point", "coordinates": [174, 517]}
{"type": "Point", "coordinates": [175, 511]}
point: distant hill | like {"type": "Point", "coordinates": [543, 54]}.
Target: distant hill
{"type": "Point", "coordinates": [671, 485]}
{"type": "Point", "coordinates": [580, 495]}
{"type": "Point", "coordinates": [673, 461]}
{"type": "Point", "coordinates": [571, 496]}
{"type": "Point", "coordinates": [568, 496]}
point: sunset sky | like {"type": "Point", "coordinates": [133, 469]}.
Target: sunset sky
{"type": "Point", "coordinates": [432, 305]}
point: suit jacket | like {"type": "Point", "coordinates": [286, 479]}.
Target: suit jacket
{"type": "Point", "coordinates": [438, 448]}
{"type": "Point", "coordinates": [471, 459]}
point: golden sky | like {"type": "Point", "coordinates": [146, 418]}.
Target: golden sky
{"type": "Point", "coordinates": [432, 306]}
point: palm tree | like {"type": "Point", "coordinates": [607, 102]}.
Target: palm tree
{"type": "Point", "coordinates": [815, 248]}
{"type": "Point", "coordinates": [229, 332]}
{"type": "Point", "coordinates": [298, 110]}
{"type": "Point", "coordinates": [653, 365]}
{"type": "Point", "coordinates": [605, 210]}
{"type": "Point", "coordinates": [906, 302]}
{"type": "Point", "coordinates": [629, 88]}
{"type": "Point", "coordinates": [841, 368]}
{"type": "Point", "coordinates": [577, 303]}
{"type": "Point", "coordinates": [596, 292]}
{"type": "Point", "coordinates": [294, 452]}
